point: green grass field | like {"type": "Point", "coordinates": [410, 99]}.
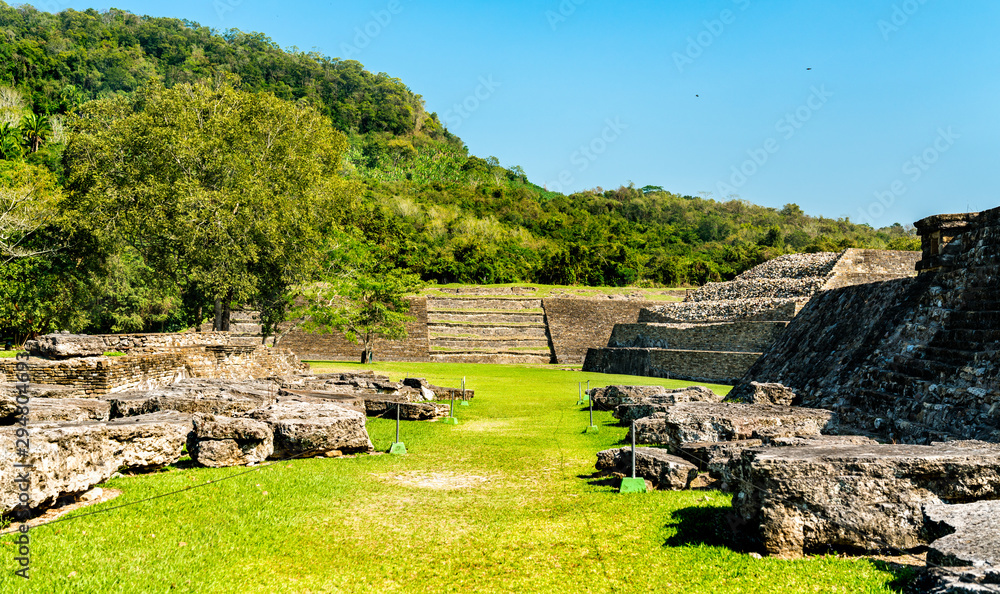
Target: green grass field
{"type": "Point", "coordinates": [502, 502]}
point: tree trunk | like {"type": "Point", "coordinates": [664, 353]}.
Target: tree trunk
{"type": "Point", "coordinates": [226, 313]}
{"type": "Point", "coordinates": [217, 324]}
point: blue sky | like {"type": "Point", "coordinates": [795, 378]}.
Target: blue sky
{"type": "Point", "coordinates": [879, 110]}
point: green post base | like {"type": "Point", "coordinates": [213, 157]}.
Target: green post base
{"type": "Point", "coordinates": [450, 421]}
{"type": "Point", "coordinates": [398, 448]}
{"type": "Point", "coordinates": [464, 403]}
{"type": "Point", "coordinates": [633, 485]}
{"type": "Point", "coordinates": [592, 429]}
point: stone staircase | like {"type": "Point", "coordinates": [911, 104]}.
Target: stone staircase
{"type": "Point", "coordinates": [488, 329]}
{"type": "Point", "coordinates": [947, 382]}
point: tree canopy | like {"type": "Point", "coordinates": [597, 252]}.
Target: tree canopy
{"type": "Point", "coordinates": [226, 193]}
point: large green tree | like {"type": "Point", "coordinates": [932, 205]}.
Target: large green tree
{"type": "Point", "coordinates": [225, 192]}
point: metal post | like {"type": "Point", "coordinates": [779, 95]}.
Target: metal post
{"type": "Point", "coordinates": [397, 424]}
{"type": "Point", "coordinates": [633, 484]}
{"type": "Point", "coordinates": [633, 449]}
{"type": "Point", "coordinates": [579, 398]}
{"type": "Point", "coordinates": [591, 412]}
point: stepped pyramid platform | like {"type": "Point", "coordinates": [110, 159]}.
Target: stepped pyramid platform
{"type": "Point", "coordinates": [721, 329]}
{"type": "Point", "coordinates": [488, 329]}
{"type": "Point", "coordinates": [914, 360]}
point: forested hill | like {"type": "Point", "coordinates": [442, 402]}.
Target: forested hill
{"type": "Point", "coordinates": [427, 204]}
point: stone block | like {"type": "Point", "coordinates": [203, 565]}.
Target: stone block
{"type": "Point", "coordinates": [223, 441]}
{"type": "Point", "coordinates": [792, 500]}
{"type": "Point", "coordinates": [65, 346]}
{"type": "Point", "coordinates": [656, 465]}
{"type": "Point", "coordinates": [73, 458]}
{"type": "Point", "coordinates": [309, 429]}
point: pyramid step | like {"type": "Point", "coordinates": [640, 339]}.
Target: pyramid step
{"type": "Point", "coordinates": [486, 317]}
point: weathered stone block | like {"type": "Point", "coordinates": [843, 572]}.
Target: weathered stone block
{"type": "Point", "coordinates": [310, 429]}
{"type": "Point", "coordinates": [708, 421]}
{"type": "Point", "coordinates": [74, 458]}
{"type": "Point", "coordinates": [758, 393]}
{"type": "Point", "coordinates": [796, 499]}
{"type": "Point", "coordinates": [610, 397]}
{"type": "Point", "coordinates": [223, 441]}
{"type": "Point", "coordinates": [967, 534]}
{"type": "Point", "coordinates": [65, 346]}
{"type": "Point", "coordinates": [653, 464]}
{"type": "Point", "coordinates": [227, 398]}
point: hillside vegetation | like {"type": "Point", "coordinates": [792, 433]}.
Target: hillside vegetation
{"type": "Point", "coordinates": [405, 187]}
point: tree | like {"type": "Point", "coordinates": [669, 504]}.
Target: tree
{"type": "Point", "coordinates": [36, 130]}
{"type": "Point", "coordinates": [10, 142]}
{"type": "Point", "coordinates": [360, 296]}
{"type": "Point", "coordinates": [28, 197]}
{"type": "Point", "coordinates": [225, 192]}
{"type": "Point", "coordinates": [400, 149]}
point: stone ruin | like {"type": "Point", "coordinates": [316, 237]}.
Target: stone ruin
{"type": "Point", "coordinates": [721, 329]}
{"type": "Point", "coordinates": [228, 405]}
{"type": "Point", "coordinates": [871, 424]}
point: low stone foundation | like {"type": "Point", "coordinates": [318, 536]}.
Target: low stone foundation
{"type": "Point", "coordinates": [95, 376]}
{"type": "Point", "coordinates": [721, 367]}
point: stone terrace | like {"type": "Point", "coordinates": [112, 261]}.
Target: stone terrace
{"type": "Point", "coordinates": [721, 329]}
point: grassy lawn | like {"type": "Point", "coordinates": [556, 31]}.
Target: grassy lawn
{"type": "Point", "coordinates": [502, 502]}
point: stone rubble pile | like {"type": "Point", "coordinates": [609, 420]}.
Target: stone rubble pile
{"type": "Point", "coordinates": [772, 291]}
{"type": "Point", "coordinates": [799, 487]}
{"type": "Point", "coordinates": [760, 309]}
{"type": "Point", "coordinates": [794, 266]}
{"type": "Point", "coordinates": [77, 443]}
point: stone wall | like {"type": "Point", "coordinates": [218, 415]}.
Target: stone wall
{"type": "Point", "coordinates": [751, 337]}
{"type": "Point", "coordinates": [576, 325]}
{"type": "Point", "coordinates": [700, 366]}
{"type": "Point", "coordinates": [336, 347]}
{"type": "Point", "coordinates": [104, 375]}
{"type": "Point", "coordinates": [912, 360]}
{"type": "Point", "coordinates": [857, 267]}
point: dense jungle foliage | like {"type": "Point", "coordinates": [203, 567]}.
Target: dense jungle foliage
{"type": "Point", "coordinates": [395, 183]}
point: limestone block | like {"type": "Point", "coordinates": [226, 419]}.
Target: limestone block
{"type": "Point", "coordinates": [653, 464]}
{"type": "Point", "coordinates": [223, 441]}
{"type": "Point", "coordinates": [796, 499]}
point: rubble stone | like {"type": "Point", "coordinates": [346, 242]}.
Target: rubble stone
{"type": "Point", "coordinates": [72, 458]}
{"type": "Point", "coordinates": [310, 429]}
{"type": "Point", "coordinates": [796, 499]}
{"type": "Point", "coordinates": [65, 346]}
{"type": "Point", "coordinates": [968, 534]}
{"type": "Point", "coordinates": [223, 441]}
{"type": "Point", "coordinates": [653, 464]}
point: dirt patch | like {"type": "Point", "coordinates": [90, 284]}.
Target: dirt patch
{"type": "Point", "coordinates": [55, 513]}
{"type": "Point", "coordinates": [441, 481]}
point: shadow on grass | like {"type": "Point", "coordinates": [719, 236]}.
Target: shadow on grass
{"type": "Point", "coordinates": [600, 479]}
{"type": "Point", "coordinates": [718, 526]}
{"type": "Point", "coordinates": [715, 526]}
